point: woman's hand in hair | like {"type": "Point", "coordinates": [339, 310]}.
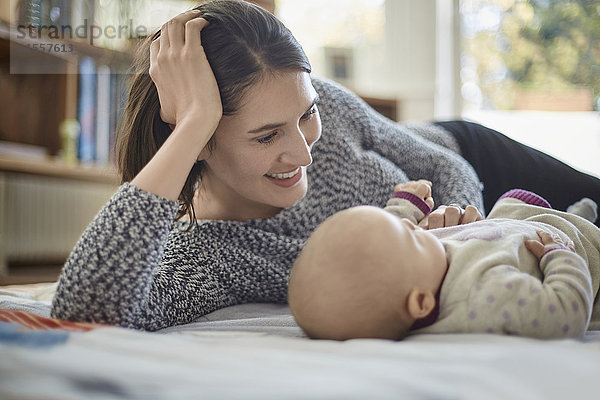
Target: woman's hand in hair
{"type": "Point", "coordinates": [183, 77]}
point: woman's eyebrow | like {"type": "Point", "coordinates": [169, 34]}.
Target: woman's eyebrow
{"type": "Point", "coordinates": [276, 125]}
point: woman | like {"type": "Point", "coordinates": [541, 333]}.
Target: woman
{"type": "Point", "coordinates": [222, 128]}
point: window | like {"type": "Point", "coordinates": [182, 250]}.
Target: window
{"type": "Point", "coordinates": [529, 68]}
{"type": "Point", "coordinates": [343, 39]}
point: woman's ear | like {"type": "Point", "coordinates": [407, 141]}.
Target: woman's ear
{"type": "Point", "coordinates": [420, 303]}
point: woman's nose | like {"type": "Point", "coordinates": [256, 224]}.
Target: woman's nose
{"type": "Point", "coordinates": [298, 150]}
{"type": "Point", "coordinates": [313, 134]}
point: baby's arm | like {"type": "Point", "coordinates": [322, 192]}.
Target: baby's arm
{"type": "Point", "coordinates": [418, 194]}
{"type": "Point", "coordinates": [511, 301]}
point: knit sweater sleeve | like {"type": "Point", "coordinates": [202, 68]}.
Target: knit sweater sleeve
{"type": "Point", "coordinates": [133, 268]}
{"type": "Point", "coordinates": [109, 273]}
{"type": "Point", "coordinates": [454, 180]}
{"type": "Point", "coordinates": [509, 301]}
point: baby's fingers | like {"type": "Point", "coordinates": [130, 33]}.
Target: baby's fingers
{"type": "Point", "coordinates": [430, 202]}
{"type": "Point", "coordinates": [545, 237]}
{"type": "Point", "coordinates": [535, 247]}
{"type": "Point", "coordinates": [420, 188]}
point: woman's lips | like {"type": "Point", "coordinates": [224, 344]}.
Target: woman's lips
{"type": "Point", "coordinates": [287, 182]}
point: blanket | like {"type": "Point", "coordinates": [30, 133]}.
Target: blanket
{"type": "Point", "coordinates": [256, 351]}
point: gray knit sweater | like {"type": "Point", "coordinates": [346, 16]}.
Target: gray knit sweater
{"type": "Point", "coordinates": [135, 267]}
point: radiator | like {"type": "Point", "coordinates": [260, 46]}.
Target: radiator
{"type": "Point", "coordinates": [41, 218]}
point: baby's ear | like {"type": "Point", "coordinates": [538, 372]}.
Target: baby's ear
{"type": "Point", "coordinates": [420, 303]}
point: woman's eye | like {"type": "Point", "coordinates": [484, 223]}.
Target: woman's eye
{"type": "Point", "coordinates": [267, 139]}
{"type": "Point", "coordinates": [310, 113]}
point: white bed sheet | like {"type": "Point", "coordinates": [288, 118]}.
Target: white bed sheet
{"type": "Point", "coordinates": [256, 351]}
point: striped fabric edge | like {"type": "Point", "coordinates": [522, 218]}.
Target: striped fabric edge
{"type": "Point", "coordinates": [37, 323]}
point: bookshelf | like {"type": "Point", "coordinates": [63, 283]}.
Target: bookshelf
{"type": "Point", "coordinates": [43, 88]}
{"type": "Point", "coordinates": [48, 195]}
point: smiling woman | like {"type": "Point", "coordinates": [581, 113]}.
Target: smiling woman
{"type": "Point", "coordinates": [224, 118]}
{"type": "Point", "coordinates": [239, 62]}
{"type": "Point", "coordinates": [255, 173]}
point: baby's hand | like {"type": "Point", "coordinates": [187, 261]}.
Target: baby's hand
{"type": "Point", "coordinates": [420, 188]}
{"type": "Point", "coordinates": [547, 242]}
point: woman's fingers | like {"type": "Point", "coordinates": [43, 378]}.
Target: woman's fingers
{"type": "Point", "coordinates": [172, 32]}
{"type": "Point", "coordinates": [181, 72]}
{"type": "Point", "coordinates": [177, 27]}
{"type": "Point", "coordinates": [471, 214]}
{"type": "Point", "coordinates": [453, 216]}
{"type": "Point", "coordinates": [154, 48]}
{"type": "Point", "coordinates": [164, 36]}
{"type": "Point", "coordinates": [192, 31]}
{"type": "Point", "coordinates": [437, 218]}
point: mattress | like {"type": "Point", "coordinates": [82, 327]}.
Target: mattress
{"type": "Point", "coordinates": [256, 351]}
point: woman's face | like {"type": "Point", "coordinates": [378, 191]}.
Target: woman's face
{"type": "Point", "coordinates": [258, 165]}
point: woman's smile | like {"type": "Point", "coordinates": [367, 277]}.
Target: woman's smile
{"type": "Point", "coordinates": [287, 179]}
{"type": "Point", "coordinates": [284, 175]}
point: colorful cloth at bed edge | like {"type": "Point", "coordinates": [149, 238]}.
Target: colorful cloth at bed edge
{"type": "Point", "coordinates": [20, 328]}
{"type": "Point", "coordinates": [37, 323]}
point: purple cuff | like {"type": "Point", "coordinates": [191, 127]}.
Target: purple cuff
{"type": "Point", "coordinates": [417, 201]}
{"type": "Point", "coordinates": [554, 248]}
{"type": "Point", "coordinates": [527, 197]}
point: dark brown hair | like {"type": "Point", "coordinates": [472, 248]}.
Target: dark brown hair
{"type": "Point", "coordinates": [242, 42]}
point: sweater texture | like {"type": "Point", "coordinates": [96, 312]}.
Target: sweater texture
{"type": "Point", "coordinates": [134, 266]}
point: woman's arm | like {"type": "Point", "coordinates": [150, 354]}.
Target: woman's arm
{"type": "Point", "coordinates": [109, 275]}
{"type": "Point", "coordinates": [189, 98]}
{"type": "Point", "coordinates": [454, 180]}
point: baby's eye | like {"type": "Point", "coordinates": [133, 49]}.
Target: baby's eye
{"type": "Point", "coordinates": [267, 139]}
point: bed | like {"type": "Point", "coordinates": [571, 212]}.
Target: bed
{"type": "Point", "coordinates": [256, 351]}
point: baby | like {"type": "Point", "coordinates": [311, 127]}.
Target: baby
{"type": "Point", "coordinates": [526, 270]}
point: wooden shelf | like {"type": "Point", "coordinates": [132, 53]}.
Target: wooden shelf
{"type": "Point", "coordinates": [79, 48]}
{"type": "Point", "coordinates": [40, 90]}
{"type": "Point", "coordinates": [56, 168]}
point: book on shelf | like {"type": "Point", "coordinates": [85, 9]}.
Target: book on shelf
{"type": "Point", "coordinates": [118, 99]}
{"type": "Point", "coordinates": [86, 110]}
{"type": "Point", "coordinates": [103, 106]}
{"type": "Point", "coordinates": [101, 101]}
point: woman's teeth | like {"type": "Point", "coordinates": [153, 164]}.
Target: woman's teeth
{"type": "Point", "coordinates": [284, 176]}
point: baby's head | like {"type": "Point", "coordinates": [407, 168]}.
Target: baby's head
{"type": "Point", "coordinates": [365, 273]}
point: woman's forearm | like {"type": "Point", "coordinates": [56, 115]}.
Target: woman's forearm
{"type": "Point", "coordinates": [166, 173]}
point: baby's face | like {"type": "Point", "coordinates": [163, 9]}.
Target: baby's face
{"type": "Point", "coordinates": [354, 275]}
{"type": "Point", "coordinates": [419, 252]}
{"type": "Point", "coordinates": [409, 249]}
